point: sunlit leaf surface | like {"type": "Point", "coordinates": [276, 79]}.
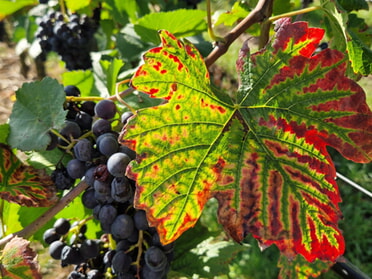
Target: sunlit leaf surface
{"type": "Point", "coordinates": [261, 153]}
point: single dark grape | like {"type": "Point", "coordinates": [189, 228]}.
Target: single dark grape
{"type": "Point", "coordinates": [117, 164]}
{"type": "Point", "coordinates": [131, 153]}
{"type": "Point", "coordinates": [122, 227]}
{"type": "Point", "coordinates": [88, 107]}
{"type": "Point", "coordinates": [121, 190]}
{"type": "Point", "coordinates": [140, 220]}
{"type": "Point", "coordinates": [125, 116]}
{"type": "Point", "coordinates": [133, 238]}
{"type": "Point", "coordinates": [76, 168]}
{"type": "Point", "coordinates": [102, 187]}
{"type": "Point", "coordinates": [53, 141]}
{"type": "Point", "coordinates": [148, 273]}
{"type": "Point", "coordinates": [70, 130]}
{"type": "Point", "coordinates": [83, 150]}
{"type": "Point", "coordinates": [155, 259]}
{"type": "Point", "coordinates": [101, 126]}
{"type": "Point", "coordinates": [107, 144]}
{"type": "Point", "coordinates": [75, 275]}
{"type": "Point", "coordinates": [71, 255]}
{"type": "Point", "coordinates": [84, 120]}
{"type": "Point", "coordinates": [121, 262]}
{"type": "Point", "coordinates": [96, 211]}
{"type": "Point", "coordinates": [55, 249]}
{"type": "Point", "coordinates": [105, 109]}
{"type": "Point", "coordinates": [107, 258]}
{"type": "Point", "coordinates": [61, 178]}
{"type": "Point", "coordinates": [89, 176]}
{"type": "Point", "coordinates": [62, 226]}
{"type": "Point", "coordinates": [88, 199]}
{"type": "Point", "coordinates": [106, 217]}
{"type": "Point", "coordinates": [50, 236]}
{"type": "Point", "coordinates": [123, 245]}
{"type": "Point", "coordinates": [89, 249]}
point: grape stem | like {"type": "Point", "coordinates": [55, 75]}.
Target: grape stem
{"type": "Point", "coordinates": [48, 215]}
{"type": "Point", "coordinates": [261, 13]}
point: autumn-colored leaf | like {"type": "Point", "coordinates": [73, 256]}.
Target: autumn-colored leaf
{"type": "Point", "coordinates": [262, 153]}
{"type": "Point", "coordinates": [24, 184]}
{"type": "Point", "coordinates": [299, 268]}
{"type": "Point", "coordinates": [18, 260]}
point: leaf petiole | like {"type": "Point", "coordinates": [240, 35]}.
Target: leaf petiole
{"type": "Point", "coordinates": [80, 99]}
{"type": "Point", "coordinates": [294, 13]}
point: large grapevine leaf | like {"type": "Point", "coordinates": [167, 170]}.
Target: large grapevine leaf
{"type": "Point", "coordinates": [24, 184]}
{"type": "Point", "coordinates": [262, 154]}
{"type": "Point", "coordinates": [18, 260]}
{"type": "Point", "coordinates": [39, 107]}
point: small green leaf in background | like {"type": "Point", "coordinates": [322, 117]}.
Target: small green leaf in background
{"type": "Point", "coordinates": [121, 11]}
{"type": "Point", "coordinates": [9, 7]}
{"type": "Point", "coordinates": [130, 44]}
{"type": "Point", "coordinates": [24, 184]}
{"type": "Point", "coordinates": [182, 23]}
{"type": "Point", "coordinates": [38, 108]}
{"type": "Point", "coordinates": [18, 260]}
{"type": "Point", "coordinates": [354, 5]}
{"type": "Point", "coordinates": [111, 69]}
{"type": "Point", "coordinates": [239, 10]}
{"type": "Point", "coordinates": [208, 258]}
{"type": "Point", "coordinates": [347, 38]}
{"type": "Point", "coordinates": [84, 80]}
{"type": "Point", "coordinates": [106, 70]}
{"type": "Point", "coordinates": [4, 132]}
{"type": "Point", "coordinates": [74, 5]}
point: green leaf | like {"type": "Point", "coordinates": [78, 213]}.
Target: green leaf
{"type": "Point", "coordinates": [38, 108]}
{"type": "Point", "coordinates": [354, 5]}
{"type": "Point", "coordinates": [24, 184]}
{"type": "Point", "coordinates": [347, 39]}
{"type": "Point", "coordinates": [299, 268]}
{"type": "Point", "coordinates": [4, 132]}
{"type": "Point", "coordinates": [111, 69]}
{"type": "Point", "coordinates": [18, 260]}
{"type": "Point", "coordinates": [130, 44]}
{"type": "Point", "coordinates": [209, 258]}
{"type": "Point", "coordinates": [262, 154]}
{"type": "Point", "coordinates": [9, 7]}
{"type": "Point", "coordinates": [181, 23]}
{"type": "Point", "coordinates": [9, 216]}
{"type": "Point", "coordinates": [73, 5]}
{"type": "Point", "coordinates": [238, 11]}
{"type": "Point", "coordinates": [122, 10]}
{"type": "Point", "coordinates": [84, 80]}
{"type": "Point", "coordinates": [139, 100]}
{"type": "Point", "coordinates": [106, 70]}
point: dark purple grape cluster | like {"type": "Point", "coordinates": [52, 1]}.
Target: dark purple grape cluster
{"type": "Point", "coordinates": [101, 162]}
{"type": "Point", "coordinates": [72, 37]}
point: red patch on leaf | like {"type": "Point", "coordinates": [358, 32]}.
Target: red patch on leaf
{"type": "Point", "coordinates": [300, 32]}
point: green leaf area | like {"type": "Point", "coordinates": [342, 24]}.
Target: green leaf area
{"type": "Point", "coordinates": [181, 23]}
{"type": "Point", "coordinates": [262, 153]}
{"type": "Point", "coordinates": [18, 260]}
{"type": "Point", "coordinates": [38, 108]}
{"type": "Point", "coordinates": [24, 184]}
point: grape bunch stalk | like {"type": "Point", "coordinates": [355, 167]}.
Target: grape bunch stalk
{"type": "Point", "coordinates": [128, 247]}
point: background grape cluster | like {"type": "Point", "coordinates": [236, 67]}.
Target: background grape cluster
{"type": "Point", "coordinates": [128, 247]}
{"type": "Point", "coordinates": [71, 36]}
